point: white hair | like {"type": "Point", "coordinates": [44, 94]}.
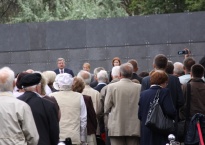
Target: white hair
{"type": "Point", "coordinates": [85, 76]}
{"type": "Point", "coordinates": [116, 71]}
{"type": "Point", "coordinates": [178, 68]}
{"type": "Point", "coordinates": [102, 76]}
{"type": "Point", "coordinates": [6, 79]}
{"type": "Point", "coordinates": [31, 88]}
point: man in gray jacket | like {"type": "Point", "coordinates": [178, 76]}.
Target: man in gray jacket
{"type": "Point", "coordinates": [17, 123]}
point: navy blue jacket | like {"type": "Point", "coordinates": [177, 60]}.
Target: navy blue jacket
{"type": "Point", "coordinates": [66, 70]}
{"type": "Point", "coordinates": [174, 87]}
{"type": "Point", "coordinates": [149, 137]}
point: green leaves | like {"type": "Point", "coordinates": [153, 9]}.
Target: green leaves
{"type": "Point", "coordinates": [41, 11]}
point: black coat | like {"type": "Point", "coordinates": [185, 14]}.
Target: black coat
{"type": "Point", "coordinates": [45, 116]}
{"type": "Point", "coordinates": [174, 87]}
{"type": "Point", "coordinates": [149, 137]}
{"type": "Point", "coordinates": [135, 76]}
{"type": "Point", "coordinates": [66, 70]}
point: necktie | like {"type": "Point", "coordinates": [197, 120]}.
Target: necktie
{"type": "Point", "coordinates": [61, 71]}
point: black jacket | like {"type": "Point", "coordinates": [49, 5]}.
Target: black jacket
{"type": "Point", "coordinates": [192, 136]}
{"type": "Point", "coordinates": [45, 116]}
{"type": "Point", "coordinates": [66, 70]}
{"type": "Point", "coordinates": [174, 87]}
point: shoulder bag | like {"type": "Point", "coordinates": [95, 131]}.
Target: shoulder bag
{"type": "Point", "coordinates": [156, 120]}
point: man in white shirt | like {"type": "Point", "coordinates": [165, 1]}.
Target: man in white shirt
{"type": "Point", "coordinates": [188, 63]}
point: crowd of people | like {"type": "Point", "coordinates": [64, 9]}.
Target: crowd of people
{"type": "Point", "coordinates": [106, 107]}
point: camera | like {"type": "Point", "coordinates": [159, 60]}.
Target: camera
{"type": "Point", "coordinates": [183, 52]}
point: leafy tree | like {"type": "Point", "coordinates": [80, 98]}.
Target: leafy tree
{"type": "Point", "coordinates": [45, 10]}
{"type": "Point", "coordinates": [195, 5]}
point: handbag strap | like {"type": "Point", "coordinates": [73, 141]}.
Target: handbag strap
{"type": "Point", "coordinates": [156, 98]}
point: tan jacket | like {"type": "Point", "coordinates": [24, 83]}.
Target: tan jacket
{"type": "Point", "coordinates": [17, 126]}
{"type": "Point", "coordinates": [122, 99]}
{"type": "Point", "coordinates": [95, 96]}
{"type": "Point", "coordinates": [69, 103]}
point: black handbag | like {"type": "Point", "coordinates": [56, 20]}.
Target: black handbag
{"type": "Point", "coordinates": [156, 120]}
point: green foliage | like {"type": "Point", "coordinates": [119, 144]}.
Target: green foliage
{"type": "Point", "coordinates": [195, 5]}
{"type": "Point", "coordinates": [44, 10]}
{"type": "Point", "coordinates": [144, 7]}
{"type": "Point", "coordinates": [15, 11]}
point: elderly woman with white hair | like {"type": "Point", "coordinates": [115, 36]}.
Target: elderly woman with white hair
{"type": "Point", "coordinates": [73, 110]}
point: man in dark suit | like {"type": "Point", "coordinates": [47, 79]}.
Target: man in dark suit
{"type": "Point", "coordinates": [135, 69]}
{"type": "Point", "coordinates": [160, 63]}
{"type": "Point", "coordinates": [44, 111]}
{"type": "Point", "coordinates": [61, 67]}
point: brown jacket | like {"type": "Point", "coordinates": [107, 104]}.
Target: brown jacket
{"type": "Point", "coordinates": [197, 98]}
{"type": "Point", "coordinates": [91, 116]}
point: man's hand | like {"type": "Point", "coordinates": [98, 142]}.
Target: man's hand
{"type": "Point", "coordinates": [188, 54]}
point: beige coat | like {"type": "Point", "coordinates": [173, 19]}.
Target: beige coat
{"type": "Point", "coordinates": [17, 126]}
{"type": "Point", "coordinates": [122, 99]}
{"type": "Point", "coordinates": [95, 96]}
{"type": "Point", "coordinates": [69, 103]}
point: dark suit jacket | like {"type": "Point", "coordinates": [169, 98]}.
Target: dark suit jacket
{"type": "Point", "coordinates": [91, 116]}
{"type": "Point", "coordinates": [135, 76]}
{"type": "Point", "coordinates": [93, 84]}
{"type": "Point", "coordinates": [45, 116]}
{"type": "Point", "coordinates": [146, 97]}
{"type": "Point", "coordinates": [99, 87]}
{"type": "Point", "coordinates": [66, 70]}
{"type": "Point", "coordinates": [174, 86]}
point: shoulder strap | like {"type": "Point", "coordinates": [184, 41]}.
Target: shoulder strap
{"type": "Point", "coordinates": [157, 95]}
{"type": "Point", "coordinates": [188, 95]}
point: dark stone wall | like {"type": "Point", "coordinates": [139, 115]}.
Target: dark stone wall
{"type": "Point", "coordinates": [38, 45]}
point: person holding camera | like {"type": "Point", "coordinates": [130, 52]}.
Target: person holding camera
{"type": "Point", "coordinates": [188, 63]}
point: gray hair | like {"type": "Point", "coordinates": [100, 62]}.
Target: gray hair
{"type": "Point", "coordinates": [60, 59]}
{"type": "Point", "coordinates": [102, 76]}
{"type": "Point", "coordinates": [116, 71]}
{"type": "Point", "coordinates": [85, 76]}
{"type": "Point", "coordinates": [31, 88]}
{"type": "Point", "coordinates": [6, 79]}
{"type": "Point", "coordinates": [126, 70]}
{"type": "Point", "coordinates": [97, 70]}
{"type": "Point", "coordinates": [178, 68]}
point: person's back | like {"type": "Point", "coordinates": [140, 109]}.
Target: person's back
{"type": "Point", "coordinates": [15, 112]}
{"type": "Point", "coordinates": [197, 100]}
{"type": "Point", "coordinates": [121, 102]}
{"type": "Point", "coordinates": [160, 63]}
{"type": "Point", "coordinates": [125, 104]}
{"type": "Point", "coordinates": [73, 110]}
{"type": "Point", "coordinates": [44, 111]}
{"type": "Point", "coordinates": [158, 82]}
{"type": "Point", "coordinates": [17, 123]}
